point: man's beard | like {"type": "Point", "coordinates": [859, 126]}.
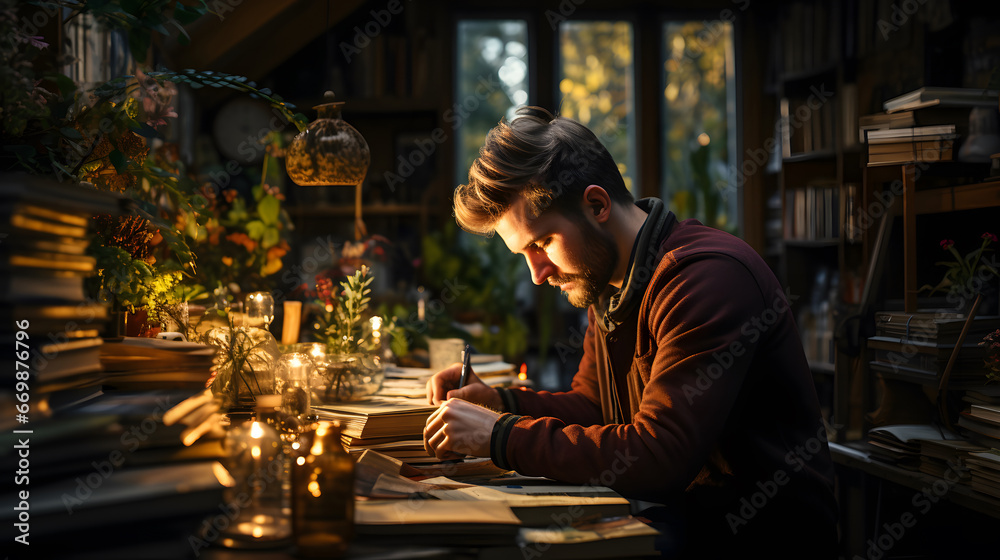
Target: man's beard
{"type": "Point", "coordinates": [599, 260]}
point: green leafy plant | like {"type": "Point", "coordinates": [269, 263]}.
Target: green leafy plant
{"type": "Point", "coordinates": [343, 325]}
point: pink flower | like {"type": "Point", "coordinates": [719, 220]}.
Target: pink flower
{"type": "Point", "coordinates": [989, 236]}
{"type": "Point", "coordinates": [947, 244]}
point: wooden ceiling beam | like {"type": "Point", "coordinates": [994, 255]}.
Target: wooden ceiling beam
{"type": "Point", "coordinates": [256, 35]}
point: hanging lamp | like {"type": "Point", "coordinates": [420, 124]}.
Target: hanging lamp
{"type": "Point", "coordinates": [330, 152]}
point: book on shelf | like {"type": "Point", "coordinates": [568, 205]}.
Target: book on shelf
{"type": "Point", "coordinates": [933, 96]}
{"type": "Point", "coordinates": [812, 212]}
{"type": "Point", "coordinates": [984, 432]}
{"type": "Point", "coordinates": [910, 118]}
{"type": "Point", "coordinates": [938, 457]}
{"type": "Point", "coordinates": [984, 468]}
{"type": "Point", "coordinates": [932, 326]}
{"type": "Point", "coordinates": [986, 412]}
{"type": "Point", "coordinates": [813, 134]}
{"type": "Point", "coordinates": [909, 152]}
{"type": "Point", "coordinates": [901, 444]}
{"type": "Point", "coordinates": [917, 133]}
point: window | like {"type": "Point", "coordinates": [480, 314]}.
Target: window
{"type": "Point", "coordinates": [597, 84]}
{"type": "Point", "coordinates": [699, 122]}
{"type": "Point", "coordinates": [595, 81]}
{"type": "Point", "coordinates": [491, 79]}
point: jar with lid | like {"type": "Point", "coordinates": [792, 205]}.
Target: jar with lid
{"type": "Point", "coordinates": [322, 493]}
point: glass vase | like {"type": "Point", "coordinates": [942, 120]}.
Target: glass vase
{"type": "Point", "coordinates": [346, 378]}
{"type": "Point", "coordinates": [244, 361]}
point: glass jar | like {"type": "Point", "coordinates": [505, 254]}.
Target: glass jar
{"type": "Point", "coordinates": [346, 378]}
{"type": "Point", "coordinates": [322, 493]}
{"type": "Point", "coordinates": [259, 498]}
{"type": "Point", "coordinates": [291, 377]}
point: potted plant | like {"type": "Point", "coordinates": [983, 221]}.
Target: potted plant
{"type": "Point", "coordinates": [969, 275]}
{"type": "Point", "coordinates": [352, 367]}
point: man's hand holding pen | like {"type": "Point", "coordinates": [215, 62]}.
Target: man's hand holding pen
{"type": "Point", "coordinates": [463, 423]}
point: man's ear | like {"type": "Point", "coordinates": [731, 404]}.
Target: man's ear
{"type": "Point", "coordinates": [597, 202]}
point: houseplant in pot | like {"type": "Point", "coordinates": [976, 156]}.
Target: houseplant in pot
{"type": "Point", "coordinates": [352, 368]}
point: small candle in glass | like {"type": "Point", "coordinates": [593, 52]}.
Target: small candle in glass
{"type": "Point", "coordinates": [259, 308]}
{"type": "Point", "coordinates": [292, 375]}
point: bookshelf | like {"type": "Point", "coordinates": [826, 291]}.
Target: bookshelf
{"type": "Point", "coordinates": [817, 166]}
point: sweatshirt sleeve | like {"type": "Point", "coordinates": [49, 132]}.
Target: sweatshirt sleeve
{"type": "Point", "coordinates": [698, 318]}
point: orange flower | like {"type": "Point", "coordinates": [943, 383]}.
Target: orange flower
{"type": "Point", "coordinates": [243, 239]}
{"type": "Point", "coordinates": [276, 252]}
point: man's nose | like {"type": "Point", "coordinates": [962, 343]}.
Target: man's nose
{"type": "Point", "coordinates": [541, 268]}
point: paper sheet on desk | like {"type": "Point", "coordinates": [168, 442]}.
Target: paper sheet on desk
{"type": "Point", "coordinates": [403, 388]}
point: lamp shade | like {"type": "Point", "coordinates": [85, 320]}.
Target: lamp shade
{"type": "Point", "coordinates": [329, 151]}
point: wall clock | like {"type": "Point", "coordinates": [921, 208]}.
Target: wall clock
{"type": "Point", "coordinates": [240, 126]}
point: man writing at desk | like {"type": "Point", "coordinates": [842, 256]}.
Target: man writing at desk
{"type": "Point", "coordinates": [693, 390]}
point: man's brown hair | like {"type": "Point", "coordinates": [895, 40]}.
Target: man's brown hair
{"type": "Point", "coordinates": [546, 159]}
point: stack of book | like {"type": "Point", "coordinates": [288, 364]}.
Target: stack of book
{"type": "Point", "coordinates": [135, 363]}
{"type": "Point", "coordinates": [893, 146]}
{"type": "Point", "coordinates": [920, 344]}
{"type": "Point", "coordinates": [900, 444]}
{"type": "Point", "coordinates": [984, 467]}
{"type": "Point", "coordinates": [947, 458]}
{"type": "Point", "coordinates": [106, 472]}
{"type": "Point", "coordinates": [926, 124]}
{"type": "Point", "coordinates": [393, 426]}
{"type": "Point", "coordinates": [44, 234]}
{"type": "Point", "coordinates": [981, 423]}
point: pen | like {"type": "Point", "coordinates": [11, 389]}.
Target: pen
{"type": "Point", "coordinates": [466, 354]}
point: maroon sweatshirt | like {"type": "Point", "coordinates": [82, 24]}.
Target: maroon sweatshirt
{"type": "Point", "coordinates": [693, 392]}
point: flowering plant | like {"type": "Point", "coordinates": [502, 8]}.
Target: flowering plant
{"type": "Point", "coordinates": [967, 272]}
{"type": "Point", "coordinates": [991, 343]}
